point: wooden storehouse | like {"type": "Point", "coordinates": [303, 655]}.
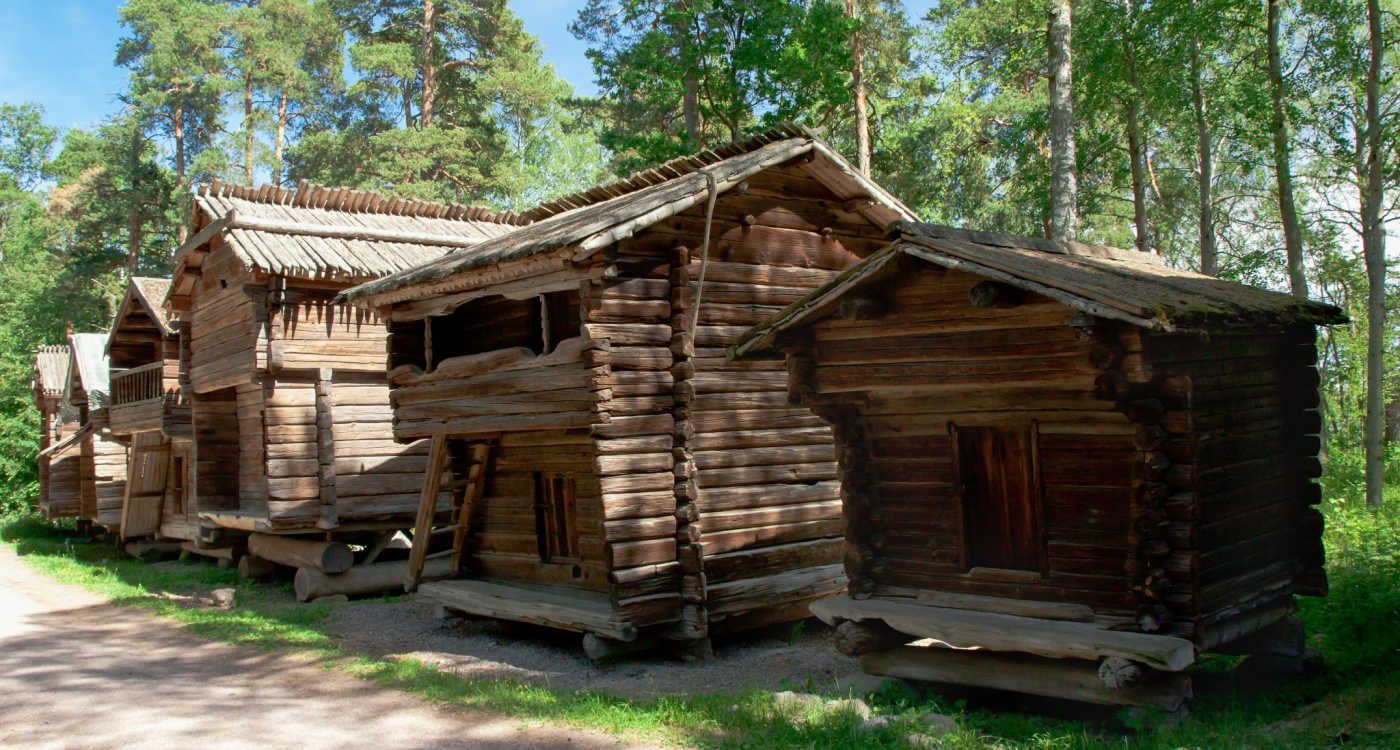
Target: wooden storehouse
{"type": "Point", "coordinates": [102, 463]}
{"type": "Point", "coordinates": [1074, 467]}
{"type": "Point", "coordinates": [613, 474]}
{"type": "Point", "coordinates": [290, 410]}
{"type": "Point", "coordinates": [59, 452]}
{"type": "Point", "coordinates": [148, 412]}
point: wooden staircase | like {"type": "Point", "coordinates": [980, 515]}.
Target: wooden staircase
{"type": "Point", "coordinates": [466, 492]}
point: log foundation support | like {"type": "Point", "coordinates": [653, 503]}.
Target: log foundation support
{"type": "Point", "coordinates": [1071, 679]}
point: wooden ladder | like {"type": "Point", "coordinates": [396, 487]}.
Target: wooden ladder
{"type": "Point", "coordinates": [466, 492]}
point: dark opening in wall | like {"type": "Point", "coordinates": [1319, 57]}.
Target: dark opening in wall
{"type": "Point", "coordinates": [556, 517]}
{"type": "Point", "coordinates": [998, 480]}
{"type": "Point", "coordinates": [492, 323]}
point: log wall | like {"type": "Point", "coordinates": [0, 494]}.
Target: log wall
{"type": "Point", "coordinates": [716, 498]}
{"type": "Point", "coordinates": [292, 417]}
{"type": "Point", "coordinates": [1238, 455]}
{"type": "Point", "coordinates": [901, 367]}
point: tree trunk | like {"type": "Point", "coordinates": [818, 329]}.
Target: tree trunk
{"type": "Point", "coordinates": [1136, 148]}
{"type": "Point", "coordinates": [1064, 188]}
{"type": "Point", "coordinates": [430, 71]}
{"type": "Point", "coordinates": [1283, 171]}
{"type": "Point", "coordinates": [690, 105]}
{"type": "Point", "coordinates": [1373, 248]}
{"type": "Point", "coordinates": [179, 118]}
{"type": "Point", "coordinates": [281, 135]}
{"type": "Point", "coordinates": [1205, 167]}
{"type": "Point", "coordinates": [407, 105]}
{"type": "Point", "coordinates": [858, 90]}
{"type": "Point", "coordinates": [133, 211]}
{"type": "Point", "coordinates": [248, 129]}
{"type": "Point", "coordinates": [690, 96]}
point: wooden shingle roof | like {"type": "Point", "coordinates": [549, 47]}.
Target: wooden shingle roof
{"type": "Point", "coordinates": [150, 293]}
{"type": "Point", "coordinates": [593, 219]}
{"type": "Point", "coordinates": [1105, 282]}
{"type": "Point", "coordinates": [331, 233]}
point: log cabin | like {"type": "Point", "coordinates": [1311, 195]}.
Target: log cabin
{"type": "Point", "coordinates": [59, 453]}
{"type": "Point", "coordinates": [613, 475]}
{"type": "Point", "coordinates": [102, 458]}
{"type": "Point", "coordinates": [148, 413]}
{"type": "Point", "coordinates": [289, 407]}
{"type": "Point", "coordinates": [1071, 465]}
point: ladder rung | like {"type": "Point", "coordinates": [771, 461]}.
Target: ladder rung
{"type": "Point", "coordinates": [445, 529]}
{"type": "Point", "coordinates": [436, 555]}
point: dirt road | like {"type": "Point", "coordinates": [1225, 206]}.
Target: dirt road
{"type": "Point", "coordinates": [77, 672]}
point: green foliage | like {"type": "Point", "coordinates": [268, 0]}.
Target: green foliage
{"type": "Point", "coordinates": [1355, 694]}
{"type": "Point", "coordinates": [745, 65]}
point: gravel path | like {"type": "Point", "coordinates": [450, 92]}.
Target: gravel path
{"type": "Point", "coordinates": [775, 659]}
{"type": "Point", "coordinates": [77, 672]}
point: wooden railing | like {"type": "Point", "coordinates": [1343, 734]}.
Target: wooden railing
{"type": "Point", "coordinates": [138, 384]}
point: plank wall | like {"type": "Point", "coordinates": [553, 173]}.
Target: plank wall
{"type": "Point", "coordinates": [108, 478]}
{"type": "Point", "coordinates": [146, 479]}
{"type": "Point", "coordinates": [305, 331]}
{"type": "Point", "coordinates": [504, 545]}
{"type": "Point", "coordinates": [222, 325]}
{"type": "Point", "coordinates": [216, 450]}
{"type": "Point", "coordinates": [64, 496]}
{"type": "Point", "coordinates": [896, 382]}
{"type": "Point", "coordinates": [179, 518]}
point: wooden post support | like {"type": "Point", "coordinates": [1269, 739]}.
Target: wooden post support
{"type": "Point", "coordinates": [427, 507]}
{"type": "Point", "coordinates": [325, 448]}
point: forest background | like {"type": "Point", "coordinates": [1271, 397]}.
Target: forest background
{"type": "Point", "coordinates": [1256, 141]}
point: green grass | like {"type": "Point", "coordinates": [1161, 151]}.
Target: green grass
{"type": "Point", "coordinates": [1355, 701]}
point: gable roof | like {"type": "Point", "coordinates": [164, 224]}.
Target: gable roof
{"type": "Point", "coordinates": [50, 370]}
{"type": "Point", "coordinates": [329, 233]}
{"type": "Point", "coordinates": [1102, 281]}
{"type": "Point", "coordinates": [89, 365]}
{"type": "Point", "coordinates": [596, 218]}
{"type": "Point", "coordinates": [150, 292]}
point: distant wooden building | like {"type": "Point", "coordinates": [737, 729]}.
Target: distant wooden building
{"type": "Point", "coordinates": [1059, 450]}
{"type": "Point", "coordinates": [150, 414]}
{"type": "Point", "coordinates": [613, 474]}
{"type": "Point", "coordinates": [102, 466]}
{"type": "Point", "coordinates": [59, 453]}
{"type": "Point", "coordinates": [290, 410]}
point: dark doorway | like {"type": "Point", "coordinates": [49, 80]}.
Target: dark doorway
{"type": "Point", "coordinates": [999, 484]}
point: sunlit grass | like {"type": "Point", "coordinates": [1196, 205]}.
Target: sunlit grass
{"type": "Point", "coordinates": [1356, 701]}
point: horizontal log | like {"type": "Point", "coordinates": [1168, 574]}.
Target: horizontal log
{"type": "Point", "coordinates": [1056, 639]}
{"type": "Point", "coordinates": [1074, 680]}
{"type": "Point", "coordinates": [579, 612]}
{"type": "Point", "coordinates": [376, 578]}
{"type": "Point", "coordinates": [328, 557]}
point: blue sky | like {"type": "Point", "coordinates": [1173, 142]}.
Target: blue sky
{"type": "Point", "coordinates": [59, 53]}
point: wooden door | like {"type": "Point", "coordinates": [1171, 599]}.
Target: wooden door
{"type": "Point", "coordinates": [998, 481]}
{"type": "Point", "coordinates": [145, 485]}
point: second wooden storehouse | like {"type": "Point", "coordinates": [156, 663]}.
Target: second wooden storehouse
{"type": "Point", "coordinates": [614, 475]}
